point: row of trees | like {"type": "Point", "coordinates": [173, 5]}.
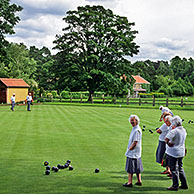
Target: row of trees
{"type": "Point", "coordinates": [91, 56]}
{"type": "Point", "coordinates": [174, 77]}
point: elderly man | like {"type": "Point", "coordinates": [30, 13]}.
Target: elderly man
{"type": "Point", "coordinates": [133, 153]}
{"type": "Point", "coordinates": [175, 151]}
{"type": "Point", "coordinates": [164, 110]}
{"type": "Point", "coordinates": [29, 101]}
{"type": "Point", "coordinates": [13, 102]}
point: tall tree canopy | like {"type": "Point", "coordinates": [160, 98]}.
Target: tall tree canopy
{"type": "Point", "coordinates": [44, 61]}
{"type": "Point", "coordinates": [8, 20]}
{"type": "Point", "coordinates": [20, 65]}
{"type": "Point", "coordinates": [92, 50]}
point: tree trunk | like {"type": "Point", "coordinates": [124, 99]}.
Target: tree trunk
{"type": "Point", "coordinates": [90, 99]}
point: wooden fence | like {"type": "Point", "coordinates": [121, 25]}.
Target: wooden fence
{"type": "Point", "coordinates": [114, 100]}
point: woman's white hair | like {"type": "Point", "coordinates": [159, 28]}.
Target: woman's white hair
{"type": "Point", "coordinates": [161, 107]}
{"type": "Point", "coordinates": [136, 118]}
{"type": "Point", "coordinates": [168, 118]}
{"type": "Point", "coordinates": [176, 121]}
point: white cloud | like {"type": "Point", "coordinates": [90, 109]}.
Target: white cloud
{"type": "Point", "coordinates": [49, 6]}
{"type": "Point", "coordinates": [165, 26]}
{"type": "Point", "coordinates": [39, 31]}
{"type": "Point", "coordinates": [43, 23]}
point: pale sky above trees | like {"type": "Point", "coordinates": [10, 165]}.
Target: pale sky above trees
{"type": "Point", "coordinates": [165, 26]}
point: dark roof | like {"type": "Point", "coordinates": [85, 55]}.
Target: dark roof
{"type": "Point", "coordinates": [14, 83]}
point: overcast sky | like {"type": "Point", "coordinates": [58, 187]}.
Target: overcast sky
{"type": "Point", "coordinates": [165, 27]}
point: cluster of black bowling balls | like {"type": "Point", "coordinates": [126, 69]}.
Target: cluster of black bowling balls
{"type": "Point", "coordinates": [59, 166]}
{"type": "Point", "coordinates": [190, 121]}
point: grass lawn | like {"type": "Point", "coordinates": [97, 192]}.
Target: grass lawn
{"type": "Point", "coordinates": [91, 137]}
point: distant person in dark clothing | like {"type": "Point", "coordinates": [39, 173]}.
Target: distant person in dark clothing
{"type": "Point", "coordinates": [29, 101]}
{"type": "Point", "coordinates": [13, 102]}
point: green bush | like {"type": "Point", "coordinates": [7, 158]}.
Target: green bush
{"type": "Point", "coordinates": [76, 95]}
{"type": "Point", "coordinates": [65, 94]}
{"type": "Point", "coordinates": [49, 95]}
{"type": "Point", "coordinates": [40, 99]}
{"type": "Point", "coordinates": [145, 95]}
{"type": "Point", "coordinates": [158, 94]}
{"type": "Point", "coordinates": [42, 92]}
{"type": "Point", "coordinates": [150, 95]}
{"type": "Point", "coordinates": [54, 93]}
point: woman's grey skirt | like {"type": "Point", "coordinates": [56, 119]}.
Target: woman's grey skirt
{"type": "Point", "coordinates": [134, 165]}
{"type": "Point", "coordinates": [160, 151]}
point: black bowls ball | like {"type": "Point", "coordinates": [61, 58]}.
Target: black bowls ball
{"type": "Point", "coordinates": [47, 172]}
{"type": "Point", "coordinates": [56, 169]}
{"type": "Point", "coordinates": [62, 166]}
{"type": "Point", "coordinates": [46, 163]}
{"type": "Point", "coordinates": [70, 167]}
{"type": "Point", "coordinates": [97, 170]}
{"type": "Point", "coordinates": [66, 165]}
{"type": "Point", "coordinates": [48, 167]}
{"type": "Point", "coordinates": [69, 161]}
{"type": "Point", "coordinates": [59, 166]}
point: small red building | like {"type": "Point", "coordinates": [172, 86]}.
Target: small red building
{"type": "Point", "coordinates": [137, 87]}
{"type": "Point", "coordinates": [9, 86]}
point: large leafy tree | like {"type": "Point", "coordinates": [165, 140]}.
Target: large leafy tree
{"type": "Point", "coordinates": [20, 64]}
{"type": "Point", "coordinates": [92, 50]}
{"type": "Point", "coordinates": [8, 20]}
{"type": "Point", "coordinates": [44, 63]}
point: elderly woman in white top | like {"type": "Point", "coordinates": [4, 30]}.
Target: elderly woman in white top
{"type": "Point", "coordinates": [163, 131]}
{"type": "Point", "coordinates": [133, 153]}
{"type": "Point", "coordinates": [175, 151]}
{"type": "Point", "coordinates": [164, 110]}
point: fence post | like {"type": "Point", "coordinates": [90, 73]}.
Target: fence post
{"type": "Point", "coordinates": [167, 102]}
{"type": "Point", "coordinates": [139, 101]}
{"type": "Point", "coordinates": [70, 97]}
{"type": "Point", "coordinates": [115, 99]}
{"type": "Point", "coordinates": [153, 100]}
{"type": "Point", "coordinates": [92, 98]}
{"type": "Point", "coordinates": [181, 101]}
{"type": "Point", "coordinates": [60, 98]}
{"type": "Point", "coordinates": [103, 100]}
{"type": "Point", "coordinates": [127, 100]}
{"type": "Point", "coordinates": [81, 98]}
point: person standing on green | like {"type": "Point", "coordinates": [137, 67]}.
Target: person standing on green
{"type": "Point", "coordinates": [133, 153]}
{"type": "Point", "coordinates": [13, 102]}
{"type": "Point", "coordinates": [176, 151]}
{"type": "Point", "coordinates": [29, 101]}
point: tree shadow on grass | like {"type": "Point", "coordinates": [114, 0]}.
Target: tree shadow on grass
{"type": "Point", "coordinates": [144, 172]}
{"type": "Point", "coordinates": [33, 180]}
{"type": "Point", "coordinates": [146, 175]}
{"type": "Point", "coordinates": [137, 189]}
{"type": "Point", "coordinates": [150, 172]}
{"type": "Point", "coordinates": [98, 185]}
